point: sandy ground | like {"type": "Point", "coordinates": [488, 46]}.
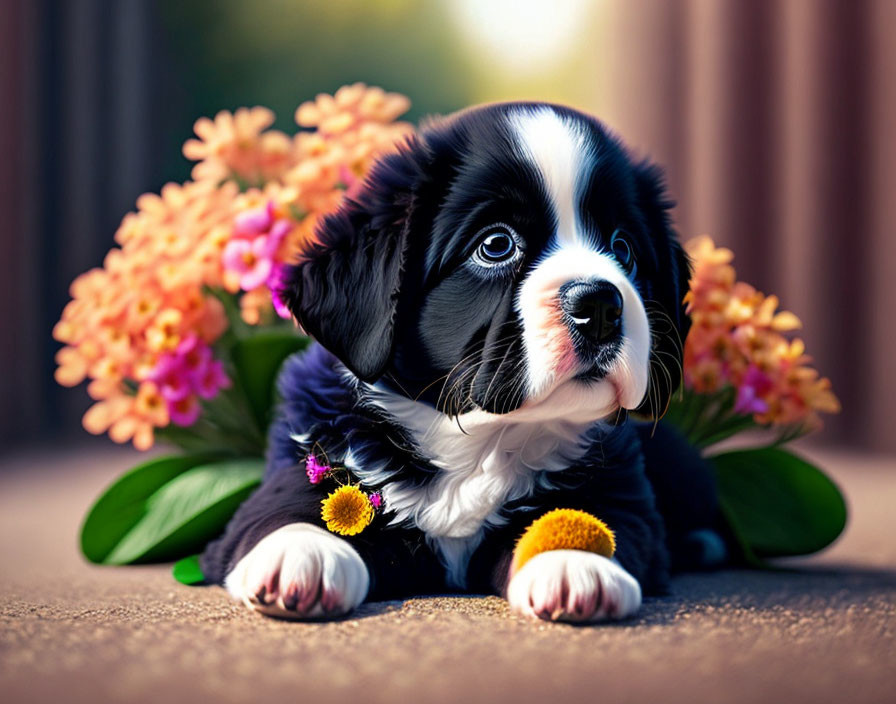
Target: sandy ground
{"type": "Point", "coordinates": [821, 630]}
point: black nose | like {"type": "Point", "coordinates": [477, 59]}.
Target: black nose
{"type": "Point", "coordinates": [595, 309]}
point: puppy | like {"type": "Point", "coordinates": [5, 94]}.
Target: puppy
{"type": "Point", "coordinates": [487, 309]}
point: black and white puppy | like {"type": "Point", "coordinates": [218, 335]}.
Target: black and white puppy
{"type": "Point", "coordinates": [501, 291]}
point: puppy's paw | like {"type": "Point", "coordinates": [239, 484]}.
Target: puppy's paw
{"type": "Point", "coordinates": [300, 571]}
{"type": "Point", "coordinates": [573, 585]}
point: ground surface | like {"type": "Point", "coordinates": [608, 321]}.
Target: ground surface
{"type": "Point", "coordinates": [822, 632]}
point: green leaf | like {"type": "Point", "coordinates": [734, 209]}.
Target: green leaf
{"type": "Point", "coordinates": [777, 503]}
{"type": "Point", "coordinates": [257, 360]}
{"type": "Point", "coordinates": [187, 571]}
{"type": "Point", "coordinates": [121, 506]}
{"type": "Point", "coordinates": [188, 511]}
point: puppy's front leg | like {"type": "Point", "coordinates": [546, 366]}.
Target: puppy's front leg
{"type": "Point", "coordinates": [573, 585]}
{"type": "Point", "coordinates": [300, 571]}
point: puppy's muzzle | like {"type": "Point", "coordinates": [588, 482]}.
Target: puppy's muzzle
{"type": "Point", "coordinates": [594, 310]}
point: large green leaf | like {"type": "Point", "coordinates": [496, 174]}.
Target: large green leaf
{"type": "Point", "coordinates": [779, 504]}
{"type": "Point", "coordinates": [257, 360]}
{"type": "Point", "coordinates": [188, 511]}
{"type": "Point", "coordinates": [123, 504]}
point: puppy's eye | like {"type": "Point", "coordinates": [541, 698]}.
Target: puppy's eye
{"type": "Point", "coordinates": [497, 244]}
{"type": "Point", "coordinates": [622, 250]}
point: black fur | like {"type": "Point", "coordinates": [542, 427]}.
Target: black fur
{"type": "Point", "coordinates": [608, 481]}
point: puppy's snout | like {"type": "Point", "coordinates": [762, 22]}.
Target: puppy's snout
{"type": "Point", "coordinates": [595, 309]}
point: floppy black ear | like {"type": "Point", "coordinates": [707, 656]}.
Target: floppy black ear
{"type": "Point", "coordinates": [344, 289]}
{"type": "Point", "coordinates": [669, 321]}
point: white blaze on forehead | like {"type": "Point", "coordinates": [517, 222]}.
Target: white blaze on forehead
{"type": "Point", "coordinates": [560, 149]}
{"type": "Point", "coordinates": [564, 155]}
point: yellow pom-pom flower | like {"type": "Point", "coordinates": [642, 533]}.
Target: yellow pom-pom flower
{"type": "Point", "coordinates": [347, 511]}
{"type": "Point", "coordinates": [564, 529]}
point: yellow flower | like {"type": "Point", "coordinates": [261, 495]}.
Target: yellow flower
{"type": "Point", "coordinates": [347, 511]}
{"type": "Point", "coordinates": [564, 529]}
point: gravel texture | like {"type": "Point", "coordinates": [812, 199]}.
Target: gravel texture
{"type": "Point", "coordinates": [818, 630]}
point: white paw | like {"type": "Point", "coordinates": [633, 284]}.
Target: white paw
{"type": "Point", "coordinates": [300, 571]}
{"type": "Point", "coordinates": [573, 585]}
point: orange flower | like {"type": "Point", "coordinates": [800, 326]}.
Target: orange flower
{"type": "Point", "coordinates": [735, 340]}
{"type": "Point", "coordinates": [152, 291]}
{"type": "Point", "coordinates": [236, 146]}
{"type": "Point", "coordinates": [350, 107]}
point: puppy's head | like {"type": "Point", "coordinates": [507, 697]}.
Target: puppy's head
{"type": "Point", "coordinates": [511, 258]}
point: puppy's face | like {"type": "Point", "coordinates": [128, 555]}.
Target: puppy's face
{"type": "Point", "coordinates": [510, 258]}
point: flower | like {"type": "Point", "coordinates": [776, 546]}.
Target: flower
{"type": "Point", "coordinates": [185, 411]}
{"type": "Point", "coordinates": [129, 417]}
{"type": "Point", "coordinates": [253, 205]}
{"type": "Point", "coordinates": [187, 372]}
{"type": "Point", "coordinates": [172, 378]}
{"type": "Point", "coordinates": [564, 529]}
{"type": "Point", "coordinates": [277, 284]}
{"type": "Point", "coordinates": [315, 470]}
{"type": "Point", "coordinates": [209, 380]}
{"type": "Point", "coordinates": [347, 510]}
{"type": "Point", "coordinates": [251, 260]}
{"type": "Point", "coordinates": [376, 500]}
{"type": "Point", "coordinates": [237, 146]}
{"type": "Point", "coordinates": [251, 257]}
{"type": "Point", "coordinates": [753, 385]}
{"type": "Point", "coordinates": [254, 222]}
{"type": "Point", "coordinates": [737, 340]}
{"type": "Point", "coordinates": [350, 107]}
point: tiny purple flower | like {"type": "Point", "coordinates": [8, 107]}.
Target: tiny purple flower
{"type": "Point", "coordinates": [315, 470]}
{"type": "Point", "coordinates": [376, 499]}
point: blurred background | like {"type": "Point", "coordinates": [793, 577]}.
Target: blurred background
{"type": "Point", "coordinates": [774, 121]}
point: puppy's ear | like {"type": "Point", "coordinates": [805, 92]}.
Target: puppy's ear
{"type": "Point", "coordinates": [669, 320]}
{"type": "Point", "coordinates": [344, 289]}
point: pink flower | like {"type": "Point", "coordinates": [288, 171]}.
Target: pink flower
{"type": "Point", "coordinates": [211, 379]}
{"type": "Point", "coordinates": [276, 283]}
{"type": "Point", "coordinates": [279, 230]}
{"type": "Point", "coordinates": [193, 354]}
{"type": "Point", "coordinates": [252, 252]}
{"type": "Point", "coordinates": [252, 260]}
{"type": "Point", "coordinates": [171, 377]}
{"type": "Point", "coordinates": [376, 499]}
{"type": "Point", "coordinates": [188, 370]}
{"type": "Point", "coordinates": [315, 470]}
{"type": "Point", "coordinates": [254, 222]}
{"type": "Point", "coordinates": [754, 385]}
{"type": "Point", "coordinates": [185, 411]}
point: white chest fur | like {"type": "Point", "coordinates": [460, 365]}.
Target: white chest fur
{"type": "Point", "coordinates": [484, 461]}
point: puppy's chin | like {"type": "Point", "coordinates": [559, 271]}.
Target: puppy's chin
{"type": "Point", "coordinates": [574, 400]}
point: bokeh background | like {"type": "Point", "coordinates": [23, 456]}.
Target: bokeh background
{"type": "Point", "coordinates": [774, 119]}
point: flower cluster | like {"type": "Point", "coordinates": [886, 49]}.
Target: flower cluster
{"type": "Point", "coordinates": [184, 375]}
{"type": "Point", "coordinates": [143, 328]}
{"type": "Point", "coordinates": [348, 509]}
{"type": "Point", "coordinates": [146, 301]}
{"type": "Point", "coordinates": [296, 180]}
{"type": "Point", "coordinates": [736, 340]}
